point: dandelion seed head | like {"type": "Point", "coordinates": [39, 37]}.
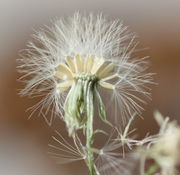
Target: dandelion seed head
{"type": "Point", "coordinates": [164, 147]}
{"type": "Point", "coordinates": [167, 155]}
{"type": "Point", "coordinates": [77, 50]}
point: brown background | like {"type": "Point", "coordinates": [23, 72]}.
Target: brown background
{"type": "Point", "coordinates": [23, 143]}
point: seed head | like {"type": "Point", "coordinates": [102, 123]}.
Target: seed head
{"type": "Point", "coordinates": [70, 63]}
{"type": "Point", "coordinates": [166, 150]}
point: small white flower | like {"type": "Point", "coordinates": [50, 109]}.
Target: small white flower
{"type": "Point", "coordinates": [79, 57]}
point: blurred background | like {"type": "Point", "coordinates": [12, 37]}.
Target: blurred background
{"type": "Point", "coordinates": [23, 143]}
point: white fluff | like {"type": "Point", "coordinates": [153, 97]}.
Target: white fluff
{"type": "Point", "coordinates": [84, 35]}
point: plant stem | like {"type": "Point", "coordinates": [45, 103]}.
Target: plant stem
{"type": "Point", "coordinates": [153, 168]}
{"type": "Point", "coordinates": [80, 113]}
{"type": "Point", "coordinates": [89, 129]}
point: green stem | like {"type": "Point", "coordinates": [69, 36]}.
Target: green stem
{"type": "Point", "coordinates": [153, 168]}
{"type": "Point", "coordinates": [79, 113]}
{"type": "Point", "coordinates": [89, 130]}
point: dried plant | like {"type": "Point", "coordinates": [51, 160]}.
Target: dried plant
{"type": "Point", "coordinates": [67, 66]}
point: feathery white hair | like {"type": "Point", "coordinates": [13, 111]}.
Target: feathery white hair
{"type": "Point", "coordinates": [84, 35]}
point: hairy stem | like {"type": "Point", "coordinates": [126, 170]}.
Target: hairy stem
{"type": "Point", "coordinates": [79, 113]}
{"type": "Point", "coordinates": [89, 129]}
